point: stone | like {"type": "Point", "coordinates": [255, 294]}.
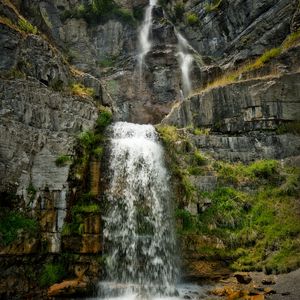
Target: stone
{"type": "Point", "coordinates": [268, 281]}
{"type": "Point", "coordinates": [243, 278]}
{"type": "Point", "coordinates": [269, 291]}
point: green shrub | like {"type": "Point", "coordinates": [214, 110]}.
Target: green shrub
{"type": "Point", "coordinates": [27, 26]}
{"type": "Point", "coordinates": [267, 56]}
{"type": "Point", "coordinates": [107, 62]}
{"type": "Point", "coordinates": [88, 139]}
{"type": "Point", "coordinates": [104, 118]}
{"type": "Point", "coordinates": [187, 222]}
{"type": "Point", "coordinates": [192, 19]}
{"type": "Point", "coordinates": [179, 10]}
{"type": "Point", "coordinates": [98, 152]}
{"type": "Point", "coordinates": [264, 168]}
{"type": "Point", "coordinates": [291, 40]}
{"type": "Point", "coordinates": [31, 191]}
{"type": "Point", "coordinates": [125, 14]}
{"type": "Point", "coordinates": [169, 134]}
{"type": "Point", "coordinates": [201, 131]}
{"type": "Point", "coordinates": [101, 7]}
{"type": "Point", "coordinates": [82, 91]}
{"type": "Point", "coordinates": [63, 160]}
{"type": "Point", "coordinates": [215, 5]}
{"type": "Point", "coordinates": [199, 158]}
{"type": "Point", "coordinates": [86, 208]}
{"type": "Point", "coordinates": [289, 127]}
{"type": "Point", "coordinates": [14, 222]}
{"type": "Point", "coordinates": [51, 273]}
{"type": "Point", "coordinates": [138, 13]}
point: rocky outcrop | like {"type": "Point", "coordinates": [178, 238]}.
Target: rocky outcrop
{"type": "Point", "coordinates": [235, 31]}
{"type": "Point", "coordinates": [246, 117]}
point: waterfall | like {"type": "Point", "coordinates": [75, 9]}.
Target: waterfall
{"type": "Point", "coordinates": [186, 60]}
{"type": "Point", "coordinates": [139, 232]}
{"type": "Point", "coordinates": [144, 35]}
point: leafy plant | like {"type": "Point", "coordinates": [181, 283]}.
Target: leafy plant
{"type": "Point", "coordinates": [86, 208]}
{"type": "Point", "coordinates": [98, 152]}
{"type": "Point", "coordinates": [63, 160]}
{"type": "Point", "coordinates": [292, 40]}
{"type": "Point", "coordinates": [199, 158]}
{"type": "Point", "coordinates": [211, 7]}
{"type": "Point", "coordinates": [26, 26]}
{"type": "Point", "coordinates": [12, 223]}
{"type": "Point", "coordinates": [179, 10]}
{"type": "Point", "coordinates": [51, 273]}
{"type": "Point", "coordinates": [88, 139]}
{"type": "Point", "coordinates": [82, 91]}
{"type": "Point", "coordinates": [104, 118]}
{"type": "Point", "coordinates": [191, 19]}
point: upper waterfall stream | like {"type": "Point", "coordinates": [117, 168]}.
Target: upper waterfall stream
{"type": "Point", "coordinates": [144, 35]}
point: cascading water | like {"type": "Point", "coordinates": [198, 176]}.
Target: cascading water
{"type": "Point", "coordinates": [139, 232]}
{"type": "Point", "coordinates": [186, 60]}
{"type": "Point", "coordinates": [144, 35]}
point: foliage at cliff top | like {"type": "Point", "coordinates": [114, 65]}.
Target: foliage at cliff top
{"type": "Point", "coordinates": [253, 211]}
{"type": "Point", "coordinates": [100, 10]}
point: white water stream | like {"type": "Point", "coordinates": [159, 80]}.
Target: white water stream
{"type": "Point", "coordinates": [185, 60]}
{"type": "Point", "coordinates": [144, 35]}
{"type": "Point", "coordinates": [139, 231]}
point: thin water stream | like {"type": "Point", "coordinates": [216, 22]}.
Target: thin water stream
{"type": "Point", "coordinates": [144, 36]}
{"type": "Point", "coordinates": [185, 60]}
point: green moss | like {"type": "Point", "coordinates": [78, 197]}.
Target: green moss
{"type": "Point", "coordinates": [31, 191]}
{"type": "Point", "coordinates": [291, 40]}
{"type": "Point", "coordinates": [89, 139]}
{"type": "Point", "coordinates": [185, 221]}
{"type": "Point", "coordinates": [267, 56]}
{"type": "Point", "coordinates": [201, 131]}
{"type": "Point", "coordinates": [169, 134]}
{"type": "Point", "coordinates": [213, 6]}
{"type": "Point", "coordinates": [264, 168]}
{"type": "Point", "coordinates": [292, 127]}
{"type": "Point", "coordinates": [104, 118]}
{"type": "Point", "coordinates": [107, 62]}
{"type": "Point", "coordinates": [125, 15]}
{"type": "Point", "coordinates": [82, 91]}
{"type": "Point", "coordinates": [98, 152]}
{"type": "Point", "coordinates": [199, 158]}
{"type": "Point", "coordinates": [86, 208]}
{"type": "Point", "coordinates": [179, 10]}
{"type": "Point", "coordinates": [51, 273]}
{"type": "Point", "coordinates": [191, 19]}
{"type": "Point", "coordinates": [12, 223]}
{"type": "Point", "coordinates": [63, 160]}
{"type": "Point", "coordinates": [27, 26]}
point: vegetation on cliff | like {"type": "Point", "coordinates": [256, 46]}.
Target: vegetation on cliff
{"type": "Point", "coordinates": [252, 210]}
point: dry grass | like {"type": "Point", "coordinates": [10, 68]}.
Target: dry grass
{"type": "Point", "coordinates": [7, 22]}
{"type": "Point", "coordinates": [236, 75]}
{"type": "Point", "coordinates": [82, 91]}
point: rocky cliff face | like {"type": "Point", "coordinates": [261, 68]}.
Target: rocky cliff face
{"type": "Point", "coordinates": [62, 62]}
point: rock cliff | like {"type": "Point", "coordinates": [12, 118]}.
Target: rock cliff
{"type": "Point", "coordinates": [61, 63]}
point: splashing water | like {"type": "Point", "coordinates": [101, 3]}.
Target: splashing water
{"type": "Point", "coordinates": [186, 60]}
{"type": "Point", "coordinates": [144, 35]}
{"type": "Point", "coordinates": [139, 231]}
